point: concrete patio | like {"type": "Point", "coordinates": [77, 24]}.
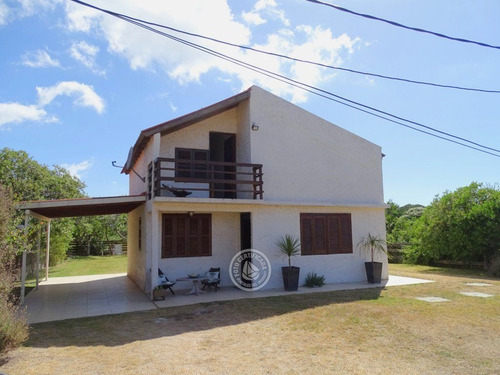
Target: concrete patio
{"type": "Point", "coordinates": [84, 296]}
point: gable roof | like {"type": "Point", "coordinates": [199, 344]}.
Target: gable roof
{"type": "Point", "coordinates": [180, 123]}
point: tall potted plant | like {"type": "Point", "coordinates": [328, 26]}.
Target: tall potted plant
{"type": "Point", "coordinates": [289, 246]}
{"type": "Point", "coordinates": [372, 245]}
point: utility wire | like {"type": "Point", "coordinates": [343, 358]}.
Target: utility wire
{"type": "Point", "coordinates": [253, 49]}
{"type": "Point", "coordinates": [404, 26]}
{"type": "Point", "coordinates": [314, 90]}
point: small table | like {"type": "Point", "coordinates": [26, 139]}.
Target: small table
{"type": "Point", "coordinates": [195, 289]}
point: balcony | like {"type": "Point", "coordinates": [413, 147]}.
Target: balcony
{"type": "Point", "coordinates": [204, 179]}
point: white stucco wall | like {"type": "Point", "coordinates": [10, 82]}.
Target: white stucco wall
{"type": "Point", "coordinates": [269, 222]}
{"type": "Point", "coordinates": [137, 258]}
{"type": "Point", "coordinates": [309, 159]}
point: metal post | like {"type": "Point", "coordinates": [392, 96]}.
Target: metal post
{"type": "Point", "coordinates": [38, 257]}
{"type": "Point", "coordinates": [47, 251]}
{"type": "Point", "coordinates": [23, 266]}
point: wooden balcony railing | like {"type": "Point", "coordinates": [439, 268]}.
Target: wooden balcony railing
{"type": "Point", "coordinates": [213, 179]}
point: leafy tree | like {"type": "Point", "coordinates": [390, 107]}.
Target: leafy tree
{"type": "Point", "coordinates": [391, 216]}
{"type": "Point", "coordinates": [399, 222]}
{"type": "Point", "coordinates": [463, 225]}
{"type": "Point", "coordinates": [29, 180]}
{"type": "Point", "coordinates": [92, 231]}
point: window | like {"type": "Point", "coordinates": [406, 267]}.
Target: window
{"type": "Point", "coordinates": [186, 236]}
{"type": "Point", "coordinates": [325, 234]}
{"type": "Point", "coordinates": [193, 165]}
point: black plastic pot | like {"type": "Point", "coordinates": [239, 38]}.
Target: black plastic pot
{"type": "Point", "coordinates": [291, 278]}
{"type": "Point", "coordinates": [373, 272]}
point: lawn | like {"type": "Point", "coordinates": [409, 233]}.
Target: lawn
{"type": "Point", "coordinates": [90, 265]}
{"type": "Point", "coordinates": [372, 331]}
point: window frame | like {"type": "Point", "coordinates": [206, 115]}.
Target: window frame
{"type": "Point", "coordinates": [181, 233]}
{"type": "Point", "coordinates": [326, 233]}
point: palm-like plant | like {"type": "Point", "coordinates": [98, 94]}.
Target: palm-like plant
{"type": "Point", "coordinates": [288, 246]}
{"type": "Point", "coordinates": [373, 244]}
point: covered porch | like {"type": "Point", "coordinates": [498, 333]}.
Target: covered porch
{"type": "Point", "coordinates": [46, 211]}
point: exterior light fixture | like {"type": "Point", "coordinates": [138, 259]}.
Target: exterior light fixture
{"type": "Point", "coordinates": [191, 213]}
{"type": "Point", "coordinates": [255, 127]}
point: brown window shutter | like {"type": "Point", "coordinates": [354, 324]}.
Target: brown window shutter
{"type": "Point", "coordinates": [333, 234]}
{"type": "Point", "coordinates": [345, 236]}
{"type": "Point", "coordinates": [306, 234]}
{"type": "Point", "coordinates": [319, 235]}
{"type": "Point", "coordinates": [186, 236]}
{"type": "Point", "coordinates": [325, 233]}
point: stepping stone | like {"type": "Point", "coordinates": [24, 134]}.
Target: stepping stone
{"type": "Point", "coordinates": [432, 299]}
{"type": "Point", "coordinates": [476, 294]}
{"type": "Point", "coordinates": [478, 284]}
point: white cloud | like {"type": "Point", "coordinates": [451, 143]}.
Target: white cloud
{"type": "Point", "coordinates": [85, 95]}
{"type": "Point", "coordinates": [30, 7]}
{"type": "Point", "coordinates": [39, 59]}
{"type": "Point", "coordinates": [75, 170]}
{"type": "Point", "coordinates": [263, 8]}
{"type": "Point", "coordinates": [145, 50]}
{"type": "Point", "coordinates": [4, 13]}
{"type": "Point", "coordinates": [86, 54]}
{"type": "Point", "coordinates": [253, 18]}
{"type": "Point", "coordinates": [16, 113]}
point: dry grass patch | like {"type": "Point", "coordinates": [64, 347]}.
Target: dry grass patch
{"type": "Point", "coordinates": [353, 332]}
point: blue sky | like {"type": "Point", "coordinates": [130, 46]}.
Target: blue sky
{"type": "Point", "coordinates": [77, 86]}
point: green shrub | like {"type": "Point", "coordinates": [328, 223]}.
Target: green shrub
{"type": "Point", "coordinates": [13, 329]}
{"type": "Point", "coordinates": [313, 279]}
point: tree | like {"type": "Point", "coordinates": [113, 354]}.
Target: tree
{"type": "Point", "coordinates": [92, 232]}
{"type": "Point", "coordinates": [463, 225]}
{"type": "Point", "coordinates": [29, 180]}
{"type": "Point", "coordinates": [400, 222]}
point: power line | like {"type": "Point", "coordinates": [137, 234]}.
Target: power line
{"type": "Point", "coordinates": [253, 49]}
{"type": "Point", "coordinates": [312, 89]}
{"type": "Point", "coordinates": [404, 26]}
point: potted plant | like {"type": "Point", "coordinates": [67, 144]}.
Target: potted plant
{"type": "Point", "coordinates": [289, 246]}
{"type": "Point", "coordinates": [373, 244]}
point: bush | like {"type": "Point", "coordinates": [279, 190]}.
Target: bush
{"type": "Point", "coordinates": [313, 279]}
{"type": "Point", "coordinates": [13, 330]}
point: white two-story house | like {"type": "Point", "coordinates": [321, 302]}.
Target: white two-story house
{"type": "Point", "coordinates": [257, 167]}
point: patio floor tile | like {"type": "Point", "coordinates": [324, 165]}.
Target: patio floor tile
{"type": "Point", "coordinates": [83, 296]}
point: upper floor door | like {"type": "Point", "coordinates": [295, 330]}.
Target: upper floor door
{"type": "Point", "coordinates": [223, 149]}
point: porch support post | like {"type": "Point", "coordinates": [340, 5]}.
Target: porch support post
{"type": "Point", "coordinates": [155, 253]}
{"type": "Point", "coordinates": [38, 247]}
{"type": "Point", "coordinates": [23, 265]}
{"type": "Point", "coordinates": [47, 252]}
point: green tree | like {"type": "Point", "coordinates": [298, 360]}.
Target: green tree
{"type": "Point", "coordinates": [92, 232]}
{"type": "Point", "coordinates": [29, 180]}
{"type": "Point", "coordinates": [463, 225]}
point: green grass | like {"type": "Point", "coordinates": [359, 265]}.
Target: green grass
{"type": "Point", "coordinates": [90, 265]}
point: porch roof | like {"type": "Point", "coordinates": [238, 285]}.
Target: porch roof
{"type": "Point", "coordinates": [58, 208]}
